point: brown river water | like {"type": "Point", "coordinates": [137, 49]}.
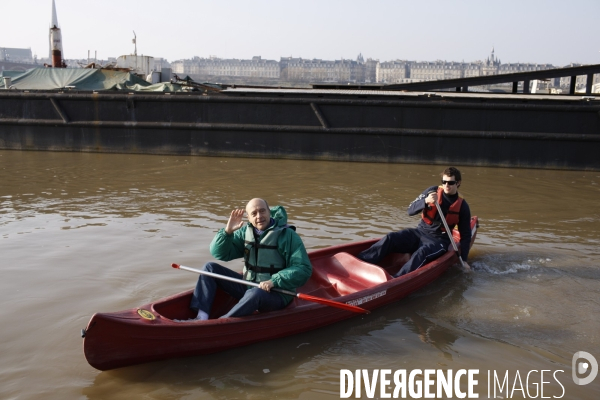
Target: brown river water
{"type": "Point", "coordinates": [82, 233]}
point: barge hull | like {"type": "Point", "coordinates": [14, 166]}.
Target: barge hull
{"type": "Point", "coordinates": [463, 129]}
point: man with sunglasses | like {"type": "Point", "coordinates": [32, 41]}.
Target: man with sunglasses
{"type": "Point", "coordinates": [429, 240]}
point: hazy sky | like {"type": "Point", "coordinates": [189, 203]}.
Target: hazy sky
{"type": "Point", "coordinates": [537, 31]}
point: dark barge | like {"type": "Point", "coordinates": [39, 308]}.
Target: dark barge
{"type": "Point", "coordinates": [483, 129]}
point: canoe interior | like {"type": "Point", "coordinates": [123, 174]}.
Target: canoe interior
{"type": "Point", "coordinates": [335, 274]}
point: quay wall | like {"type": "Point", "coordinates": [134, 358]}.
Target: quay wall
{"type": "Point", "coordinates": [366, 126]}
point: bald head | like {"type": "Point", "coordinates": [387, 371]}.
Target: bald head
{"type": "Point", "coordinates": [259, 214]}
{"type": "Point", "coordinates": [257, 201]}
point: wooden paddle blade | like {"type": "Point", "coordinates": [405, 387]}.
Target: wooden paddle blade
{"type": "Point", "coordinates": [332, 303]}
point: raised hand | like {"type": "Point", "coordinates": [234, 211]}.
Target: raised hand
{"type": "Point", "coordinates": [236, 221]}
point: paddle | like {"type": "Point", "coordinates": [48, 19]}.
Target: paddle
{"type": "Point", "coordinates": [301, 296]}
{"type": "Point", "coordinates": [449, 232]}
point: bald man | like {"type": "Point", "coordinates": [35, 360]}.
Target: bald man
{"type": "Point", "coordinates": [274, 257]}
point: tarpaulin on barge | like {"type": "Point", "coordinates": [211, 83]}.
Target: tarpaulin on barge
{"type": "Point", "coordinates": [82, 79]}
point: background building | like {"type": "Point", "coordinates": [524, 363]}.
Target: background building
{"type": "Point", "coordinates": [297, 71]}
{"type": "Point", "coordinates": [16, 55]}
{"type": "Point", "coordinates": [303, 72]}
{"type": "Point", "coordinates": [392, 72]}
{"type": "Point", "coordinates": [227, 70]}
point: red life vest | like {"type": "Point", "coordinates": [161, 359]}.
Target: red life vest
{"type": "Point", "coordinates": [428, 215]}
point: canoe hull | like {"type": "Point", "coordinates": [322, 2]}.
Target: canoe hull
{"type": "Point", "coordinates": [129, 337]}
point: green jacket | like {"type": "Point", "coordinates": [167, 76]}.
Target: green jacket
{"type": "Point", "coordinates": [298, 269]}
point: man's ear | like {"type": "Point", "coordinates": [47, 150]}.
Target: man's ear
{"type": "Point", "coordinates": [458, 184]}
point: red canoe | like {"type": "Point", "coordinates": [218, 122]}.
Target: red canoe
{"type": "Point", "coordinates": [148, 333]}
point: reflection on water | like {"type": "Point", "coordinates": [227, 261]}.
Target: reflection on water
{"type": "Point", "coordinates": [83, 233]}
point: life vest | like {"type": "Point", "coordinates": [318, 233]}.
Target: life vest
{"type": "Point", "coordinates": [261, 257]}
{"type": "Point", "coordinates": [428, 215]}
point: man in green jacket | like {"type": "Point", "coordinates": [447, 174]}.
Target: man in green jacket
{"type": "Point", "coordinates": [274, 257]}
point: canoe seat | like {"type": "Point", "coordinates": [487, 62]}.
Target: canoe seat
{"type": "Point", "coordinates": [345, 273]}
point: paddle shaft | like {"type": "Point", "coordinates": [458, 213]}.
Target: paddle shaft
{"type": "Point", "coordinates": [449, 233]}
{"type": "Point", "coordinates": [301, 296]}
{"type": "Point", "coordinates": [228, 278]}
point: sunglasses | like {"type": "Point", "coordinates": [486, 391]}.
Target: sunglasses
{"type": "Point", "coordinates": [451, 183]}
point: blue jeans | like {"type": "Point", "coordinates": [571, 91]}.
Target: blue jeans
{"type": "Point", "coordinates": [249, 300]}
{"type": "Point", "coordinates": [424, 248]}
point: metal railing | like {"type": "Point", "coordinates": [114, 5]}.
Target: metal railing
{"type": "Point", "coordinates": [463, 84]}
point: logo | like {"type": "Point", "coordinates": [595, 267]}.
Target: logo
{"type": "Point", "coordinates": [581, 367]}
{"type": "Point", "coordinates": [146, 314]}
{"type": "Point", "coordinates": [365, 299]}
